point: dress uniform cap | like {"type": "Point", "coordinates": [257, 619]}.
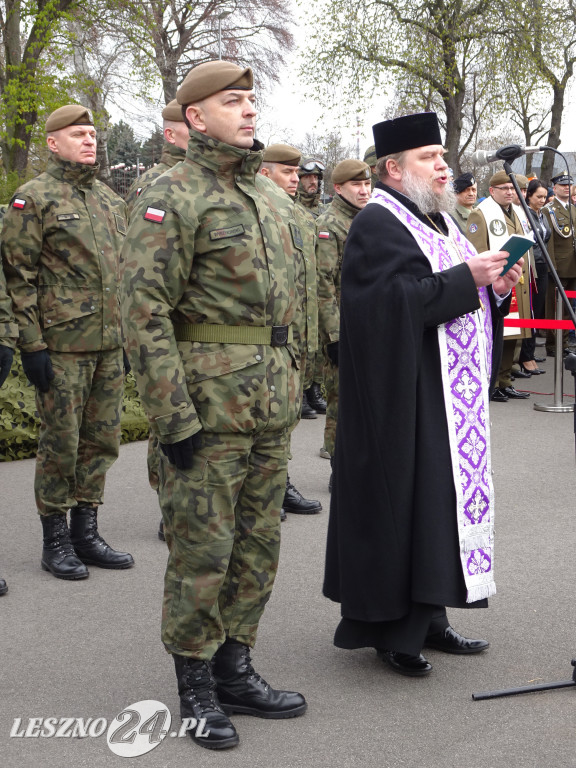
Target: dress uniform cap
{"type": "Point", "coordinates": [500, 177]}
{"type": "Point", "coordinates": [464, 181]}
{"type": "Point", "coordinates": [210, 78]}
{"type": "Point", "coordinates": [173, 111]}
{"type": "Point", "coordinates": [282, 153]}
{"type": "Point", "coordinates": [350, 170]}
{"type": "Point", "coordinates": [370, 156]}
{"type": "Point", "coordinates": [407, 132]}
{"type": "Point", "coordinates": [562, 178]}
{"type": "Point", "coordinates": [71, 114]}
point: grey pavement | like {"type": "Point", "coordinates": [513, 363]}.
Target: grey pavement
{"type": "Point", "coordinates": [90, 649]}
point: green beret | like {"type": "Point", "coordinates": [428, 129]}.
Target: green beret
{"type": "Point", "coordinates": [370, 156]}
{"type": "Point", "coordinates": [212, 77]}
{"type": "Point", "coordinates": [350, 170]}
{"type": "Point", "coordinates": [282, 153]}
{"type": "Point", "coordinates": [500, 177]}
{"type": "Point", "coordinates": [173, 112]}
{"type": "Point", "coordinates": [71, 114]}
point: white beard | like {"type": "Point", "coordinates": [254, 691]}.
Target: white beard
{"type": "Point", "coordinates": [421, 193]}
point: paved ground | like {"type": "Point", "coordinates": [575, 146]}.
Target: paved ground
{"type": "Point", "coordinates": [92, 648]}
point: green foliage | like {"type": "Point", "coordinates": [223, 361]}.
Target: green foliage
{"type": "Point", "coordinates": [152, 148]}
{"type": "Point", "coordinates": [123, 147]}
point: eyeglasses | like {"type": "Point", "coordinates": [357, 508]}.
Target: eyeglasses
{"type": "Point", "coordinates": [312, 165]}
{"type": "Point", "coordinates": [509, 188]}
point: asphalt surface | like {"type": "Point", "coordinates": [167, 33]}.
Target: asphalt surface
{"type": "Point", "coordinates": [90, 649]}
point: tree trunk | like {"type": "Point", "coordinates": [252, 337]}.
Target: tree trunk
{"type": "Point", "coordinates": [553, 140]}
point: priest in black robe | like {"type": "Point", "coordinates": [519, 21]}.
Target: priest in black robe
{"type": "Point", "coordinates": [400, 547]}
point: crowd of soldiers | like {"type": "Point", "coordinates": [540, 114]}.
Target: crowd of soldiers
{"type": "Point", "coordinates": [217, 282]}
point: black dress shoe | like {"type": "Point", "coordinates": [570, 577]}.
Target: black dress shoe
{"type": "Point", "coordinates": [513, 394]}
{"type": "Point", "coordinates": [450, 641]}
{"type": "Point", "coordinates": [241, 689]}
{"type": "Point", "coordinates": [405, 664]}
{"type": "Point", "coordinates": [532, 371]}
{"type": "Point", "coordinates": [498, 396]}
{"type": "Point", "coordinates": [521, 374]}
{"type": "Point", "coordinates": [539, 359]}
{"type": "Point", "coordinates": [3, 587]}
{"type": "Point", "coordinates": [283, 515]}
{"type": "Point", "coordinates": [296, 503]}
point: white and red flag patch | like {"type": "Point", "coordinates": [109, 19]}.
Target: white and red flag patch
{"type": "Point", "coordinates": [154, 214]}
{"type": "Point", "coordinates": [18, 202]}
{"type": "Point", "coordinates": [324, 235]}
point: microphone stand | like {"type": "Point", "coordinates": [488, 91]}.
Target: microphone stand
{"type": "Point", "coordinates": [571, 366]}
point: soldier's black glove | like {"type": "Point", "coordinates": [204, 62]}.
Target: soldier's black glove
{"type": "Point", "coordinates": [127, 366]}
{"type": "Point", "coordinates": [181, 454]}
{"type": "Point", "coordinates": [6, 357]}
{"type": "Point", "coordinates": [332, 352]}
{"type": "Point", "coordinates": [38, 369]}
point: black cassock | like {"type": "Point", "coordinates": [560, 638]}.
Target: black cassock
{"type": "Point", "coordinates": [393, 550]}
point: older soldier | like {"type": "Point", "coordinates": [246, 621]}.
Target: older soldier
{"type": "Point", "coordinates": [489, 226]}
{"type": "Point", "coordinates": [280, 164]}
{"type": "Point", "coordinates": [411, 517]}
{"type": "Point", "coordinates": [8, 336]}
{"type": "Point", "coordinates": [563, 250]}
{"type": "Point", "coordinates": [351, 179]}
{"type": "Point", "coordinates": [211, 303]}
{"type": "Point", "coordinates": [466, 193]}
{"type": "Point", "coordinates": [61, 244]}
{"type": "Point", "coordinates": [173, 151]}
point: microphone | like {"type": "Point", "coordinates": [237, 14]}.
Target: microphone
{"type": "Point", "coordinates": [508, 153]}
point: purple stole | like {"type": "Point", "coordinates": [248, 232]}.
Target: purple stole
{"type": "Point", "coordinates": [465, 352]}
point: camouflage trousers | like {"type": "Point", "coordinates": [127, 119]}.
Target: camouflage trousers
{"type": "Point", "coordinates": [79, 435]}
{"type": "Point", "coordinates": [314, 372]}
{"type": "Point", "coordinates": [152, 460]}
{"type": "Point", "coordinates": [222, 528]}
{"type": "Point", "coordinates": [331, 386]}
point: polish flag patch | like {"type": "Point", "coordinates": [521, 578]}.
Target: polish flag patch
{"type": "Point", "coordinates": [18, 203]}
{"type": "Point", "coordinates": [324, 235]}
{"type": "Point", "coordinates": [154, 214]}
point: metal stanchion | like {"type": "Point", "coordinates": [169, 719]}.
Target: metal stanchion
{"type": "Point", "coordinates": [558, 406]}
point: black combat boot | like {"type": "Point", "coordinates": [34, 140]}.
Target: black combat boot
{"type": "Point", "coordinates": [58, 554]}
{"type": "Point", "coordinates": [89, 545]}
{"type": "Point", "coordinates": [307, 412]}
{"type": "Point", "coordinates": [3, 587]}
{"type": "Point", "coordinates": [241, 689]}
{"type": "Point", "coordinates": [161, 535]}
{"type": "Point", "coordinates": [197, 691]}
{"type": "Point", "coordinates": [315, 399]}
{"type": "Point", "coordinates": [296, 503]}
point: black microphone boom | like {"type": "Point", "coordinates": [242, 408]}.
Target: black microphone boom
{"type": "Point", "coordinates": [508, 153]}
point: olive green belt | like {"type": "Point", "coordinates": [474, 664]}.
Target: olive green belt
{"type": "Point", "coordinates": [273, 335]}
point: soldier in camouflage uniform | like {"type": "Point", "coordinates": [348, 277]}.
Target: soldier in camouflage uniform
{"type": "Point", "coordinates": [8, 336]}
{"type": "Point", "coordinates": [60, 248]}
{"type": "Point", "coordinates": [280, 164]}
{"type": "Point", "coordinates": [211, 262]}
{"type": "Point", "coordinates": [308, 197]}
{"type": "Point", "coordinates": [174, 151]}
{"type": "Point", "coordinates": [371, 160]}
{"type": "Point", "coordinates": [351, 179]}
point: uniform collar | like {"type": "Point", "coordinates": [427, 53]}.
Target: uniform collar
{"type": "Point", "coordinates": [341, 204]}
{"type": "Point", "coordinates": [171, 154]}
{"type": "Point", "coordinates": [78, 174]}
{"type": "Point", "coordinates": [224, 159]}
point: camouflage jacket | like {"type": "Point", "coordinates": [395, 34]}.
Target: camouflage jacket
{"type": "Point", "coordinates": [214, 246]}
{"type": "Point", "coordinates": [171, 154]}
{"type": "Point", "coordinates": [8, 327]}
{"type": "Point", "coordinates": [61, 243]}
{"type": "Point", "coordinates": [311, 201]}
{"type": "Point", "coordinates": [308, 281]}
{"type": "Point", "coordinates": [331, 230]}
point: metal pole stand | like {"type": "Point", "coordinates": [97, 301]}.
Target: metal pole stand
{"type": "Point", "coordinates": [558, 406]}
{"type": "Point", "coordinates": [528, 688]}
